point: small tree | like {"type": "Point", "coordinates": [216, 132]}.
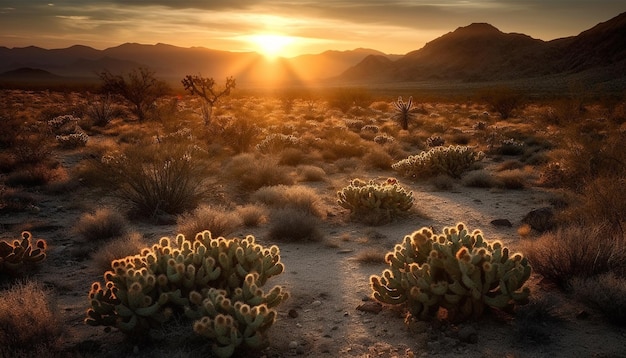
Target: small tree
{"type": "Point", "coordinates": [205, 89]}
{"type": "Point", "coordinates": [405, 112]}
{"type": "Point", "coordinates": [140, 87]}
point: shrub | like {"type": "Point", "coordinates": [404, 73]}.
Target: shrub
{"type": "Point", "coordinates": [378, 158]}
{"type": "Point", "coordinates": [512, 179]}
{"type": "Point", "coordinates": [452, 160]}
{"type": "Point", "coordinates": [104, 224]}
{"type": "Point", "coordinates": [117, 248]}
{"type": "Point", "coordinates": [606, 293]}
{"type": "Point", "coordinates": [29, 324]}
{"type": "Point", "coordinates": [311, 173]}
{"type": "Point", "coordinates": [158, 178]}
{"type": "Point", "coordinates": [293, 225]}
{"type": "Point", "coordinates": [73, 140]}
{"type": "Point", "coordinates": [480, 179]}
{"type": "Point", "coordinates": [404, 112]}
{"type": "Point", "coordinates": [252, 215]}
{"type": "Point", "coordinates": [576, 251]}
{"type": "Point", "coordinates": [101, 110]}
{"type": "Point", "coordinates": [218, 221]}
{"type": "Point", "coordinates": [296, 197]}
{"type": "Point", "coordinates": [252, 172]}
{"type": "Point", "coordinates": [457, 271]}
{"type": "Point", "coordinates": [214, 281]}
{"type": "Point", "coordinates": [375, 203]}
{"type": "Point", "coordinates": [503, 101]}
{"type": "Point", "coordinates": [21, 253]}
{"type": "Point", "coordinates": [435, 141]}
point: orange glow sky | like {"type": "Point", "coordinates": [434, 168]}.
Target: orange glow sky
{"type": "Point", "coordinates": [395, 27]}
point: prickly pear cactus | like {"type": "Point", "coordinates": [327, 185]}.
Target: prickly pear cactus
{"type": "Point", "coordinates": [456, 270]}
{"type": "Point", "coordinates": [452, 160]}
{"type": "Point", "coordinates": [217, 282]}
{"type": "Point", "coordinates": [375, 203]}
{"type": "Point", "coordinates": [15, 255]}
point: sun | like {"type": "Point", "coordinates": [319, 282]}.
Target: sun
{"type": "Point", "coordinates": [271, 45]}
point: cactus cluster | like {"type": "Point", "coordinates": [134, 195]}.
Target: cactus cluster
{"type": "Point", "coordinates": [457, 271]}
{"type": "Point", "coordinates": [216, 282]}
{"type": "Point", "coordinates": [451, 160]}
{"type": "Point", "coordinates": [375, 203]}
{"type": "Point", "coordinates": [14, 255]}
{"type": "Point", "coordinates": [68, 133]}
{"type": "Point", "coordinates": [276, 142]}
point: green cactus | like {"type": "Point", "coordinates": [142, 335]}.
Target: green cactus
{"type": "Point", "coordinates": [452, 160]}
{"type": "Point", "coordinates": [375, 203]}
{"type": "Point", "coordinates": [217, 282]}
{"type": "Point", "coordinates": [15, 255]}
{"type": "Point", "coordinates": [456, 270]}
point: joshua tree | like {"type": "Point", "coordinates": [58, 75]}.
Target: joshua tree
{"type": "Point", "coordinates": [139, 87]}
{"type": "Point", "coordinates": [405, 112]}
{"type": "Point", "coordinates": [204, 88]}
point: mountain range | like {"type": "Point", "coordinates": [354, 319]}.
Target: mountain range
{"type": "Point", "coordinates": [475, 53]}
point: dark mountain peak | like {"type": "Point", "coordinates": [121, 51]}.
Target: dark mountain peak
{"type": "Point", "coordinates": [477, 29]}
{"type": "Point", "coordinates": [27, 73]}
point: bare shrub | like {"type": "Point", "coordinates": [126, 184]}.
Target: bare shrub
{"type": "Point", "coordinates": [104, 224]}
{"type": "Point", "coordinates": [311, 173]}
{"type": "Point", "coordinates": [252, 172]}
{"type": "Point", "coordinates": [292, 157]}
{"type": "Point", "coordinates": [117, 248]}
{"type": "Point", "coordinates": [378, 158]}
{"type": "Point", "coordinates": [219, 221]}
{"type": "Point", "coordinates": [503, 100]}
{"type": "Point", "coordinates": [29, 325]}
{"type": "Point", "coordinates": [252, 215]}
{"type": "Point", "coordinates": [480, 179]}
{"type": "Point", "coordinates": [442, 182]}
{"type": "Point", "coordinates": [512, 179]}
{"type": "Point", "coordinates": [576, 251]}
{"type": "Point", "coordinates": [296, 197]}
{"type": "Point", "coordinates": [293, 225]}
{"type": "Point", "coordinates": [157, 178]}
{"type": "Point", "coordinates": [371, 255]}
{"type": "Point", "coordinates": [606, 293]}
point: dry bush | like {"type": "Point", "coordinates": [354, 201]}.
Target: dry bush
{"type": "Point", "coordinates": [577, 251]}
{"type": "Point", "coordinates": [14, 200]}
{"type": "Point", "coordinates": [217, 220]}
{"type": "Point", "coordinates": [293, 225]}
{"type": "Point", "coordinates": [29, 325]}
{"type": "Point", "coordinates": [297, 197]}
{"type": "Point", "coordinates": [378, 158]}
{"type": "Point", "coordinates": [606, 293]}
{"type": "Point", "coordinates": [253, 172]}
{"type": "Point", "coordinates": [442, 182]}
{"type": "Point", "coordinates": [311, 173]}
{"type": "Point", "coordinates": [292, 157]}
{"type": "Point", "coordinates": [157, 178]}
{"type": "Point", "coordinates": [104, 224]}
{"type": "Point", "coordinates": [480, 179]}
{"type": "Point", "coordinates": [252, 215]}
{"type": "Point", "coordinates": [512, 179]}
{"type": "Point", "coordinates": [371, 255]}
{"type": "Point", "coordinates": [117, 248]}
{"type": "Point", "coordinates": [33, 175]}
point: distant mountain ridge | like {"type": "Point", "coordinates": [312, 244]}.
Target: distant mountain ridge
{"type": "Point", "coordinates": [481, 52]}
{"type": "Point", "coordinates": [475, 53]}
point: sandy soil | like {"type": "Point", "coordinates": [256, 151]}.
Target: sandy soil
{"type": "Point", "coordinates": [330, 313]}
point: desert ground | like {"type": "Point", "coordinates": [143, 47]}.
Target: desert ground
{"type": "Point", "coordinates": [331, 255]}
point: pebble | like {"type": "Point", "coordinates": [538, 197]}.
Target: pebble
{"type": "Point", "coordinates": [293, 345]}
{"type": "Point", "coordinates": [316, 303]}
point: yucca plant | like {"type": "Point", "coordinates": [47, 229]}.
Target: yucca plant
{"type": "Point", "coordinates": [405, 111]}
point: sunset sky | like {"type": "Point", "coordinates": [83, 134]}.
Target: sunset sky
{"type": "Point", "coordinates": [309, 26]}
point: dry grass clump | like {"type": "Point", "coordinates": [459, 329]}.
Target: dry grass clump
{"type": "Point", "coordinates": [293, 225]}
{"type": "Point", "coordinates": [577, 251]}
{"type": "Point", "coordinates": [378, 158]}
{"type": "Point", "coordinates": [102, 225]}
{"type": "Point", "coordinates": [606, 293]}
{"type": "Point", "coordinates": [442, 182]}
{"type": "Point", "coordinates": [252, 172]}
{"type": "Point", "coordinates": [311, 173]}
{"type": "Point", "coordinates": [297, 197]}
{"type": "Point", "coordinates": [480, 179]}
{"type": "Point", "coordinates": [15, 200]}
{"type": "Point", "coordinates": [117, 248]}
{"type": "Point", "coordinates": [512, 179]}
{"type": "Point", "coordinates": [217, 220]}
{"type": "Point", "coordinates": [292, 157]}
{"type": "Point", "coordinates": [371, 255]}
{"type": "Point", "coordinates": [29, 325]}
{"type": "Point", "coordinates": [252, 215]}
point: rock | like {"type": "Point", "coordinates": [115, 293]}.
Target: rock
{"type": "Point", "coordinates": [293, 313]}
{"type": "Point", "coordinates": [293, 345]}
{"type": "Point", "coordinates": [501, 222]}
{"type": "Point", "coordinates": [316, 303]}
{"type": "Point", "coordinates": [541, 219]}
{"type": "Point", "coordinates": [468, 334]}
{"type": "Point", "coordinates": [370, 306]}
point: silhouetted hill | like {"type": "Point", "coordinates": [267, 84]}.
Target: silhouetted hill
{"type": "Point", "coordinates": [173, 63]}
{"type": "Point", "coordinates": [481, 52]}
{"type": "Point", "coordinates": [27, 73]}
